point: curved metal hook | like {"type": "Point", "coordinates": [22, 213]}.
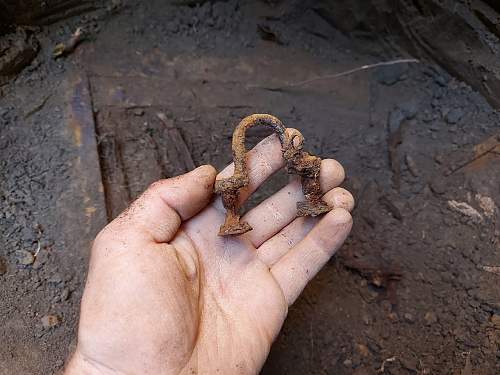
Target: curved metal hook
{"type": "Point", "coordinates": [297, 162]}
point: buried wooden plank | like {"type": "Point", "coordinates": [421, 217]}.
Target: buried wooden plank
{"type": "Point", "coordinates": [137, 147]}
{"type": "Point", "coordinates": [81, 205]}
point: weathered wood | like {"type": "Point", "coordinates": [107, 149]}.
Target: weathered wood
{"type": "Point", "coordinates": [137, 147]}
{"type": "Point", "coordinates": [82, 204]}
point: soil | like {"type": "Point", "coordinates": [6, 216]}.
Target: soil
{"type": "Point", "coordinates": [157, 88]}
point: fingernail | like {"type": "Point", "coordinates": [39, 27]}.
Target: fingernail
{"type": "Point", "coordinates": [206, 172]}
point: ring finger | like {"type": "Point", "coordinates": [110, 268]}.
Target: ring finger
{"type": "Point", "coordinates": [277, 246]}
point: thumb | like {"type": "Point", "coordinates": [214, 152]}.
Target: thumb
{"type": "Point", "coordinates": [159, 211]}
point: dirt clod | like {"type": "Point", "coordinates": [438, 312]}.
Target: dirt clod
{"type": "Point", "coordinates": [466, 210]}
{"type": "Point", "coordinates": [3, 266]}
{"type": "Point", "coordinates": [50, 321]}
{"type": "Point", "coordinates": [25, 257]}
{"type": "Point", "coordinates": [430, 318]}
{"type": "Point", "coordinates": [347, 363]}
{"type": "Point", "coordinates": [454, 115]}
{"type": "Point", "coordinates": [363, 350]}
{"type": "Point", "coordinates": [495, 319]}
{"type": "Point", "coordinates": [389, 75]}
{"type": "Point", "coordinates": [487, 204]}
{"type": "Point", "coordinates": [409, 318]}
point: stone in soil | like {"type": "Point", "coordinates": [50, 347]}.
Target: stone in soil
{"type": "Point", "coordinates": [430, 318]}
{"type": "Point", "coordinates": [454, 115]}
{"type": "Point", "coordinates": [409, 318]}
{"type": "Point", "coordinates": [49, 321]}
{"type": "Point", "coordinates": [408, 363]}
{"type": "Point", "coordinates": [389, 75]}
{"type": "Point", "coordinates": [495, 319]}
{"type": "Point", "coordinates": [25, 257]}
{"type": "Point", "coordinates": [3, 266]}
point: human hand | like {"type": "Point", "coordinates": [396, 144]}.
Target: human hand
{"type": "Point", "coordinates": [166, 295]}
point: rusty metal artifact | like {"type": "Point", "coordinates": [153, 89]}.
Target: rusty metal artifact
{"type": "Point", "coordinates": [297, 162]}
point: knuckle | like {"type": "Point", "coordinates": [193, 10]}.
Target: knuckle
{"type": "Point", "coordinates": [338, 217]}
{"type": "Point", "coordinates": [343, 216]}
{"type": "Point", "coordinates": [154, 186]}
{"type": "Point", "coordinates": [344, 199]}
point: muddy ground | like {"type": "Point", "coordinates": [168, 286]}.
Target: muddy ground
{"type": "Point", "coordinates": [415, 290]}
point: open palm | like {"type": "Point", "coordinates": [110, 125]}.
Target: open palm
{"type": "Point", "coordinates": [166, 295]}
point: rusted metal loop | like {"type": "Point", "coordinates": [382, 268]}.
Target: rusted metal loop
{"type": "Point", "coordinates": [297, 162]}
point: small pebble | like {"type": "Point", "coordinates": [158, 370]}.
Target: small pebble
{"type": "Point", "coordinates": [393, 317]}
{"type": "Point", "coordinates": [409, 318]}
{"type": "Point", "coordinates": [49, 321]}
{"type": "Point", "coordinates": [430, 318]}
{"type": "Point", "coordinates": [438, 158]}
{"type": "Point", "coordinates": [367, 320]}
{"type": "Point", "coordinates": [55, 279]}
{"type": "Point", "coordinates": [363, 350]}
{"type": "Point", "coordinates": [25, 257]}
{"type": "Point", "coordinates": [438, 186]}
{"type": "Point", "coordinates": [495, 319]}
{"type": "Point", "coordinates": [454, 115]}
{"type": "Point", "coordinates": [64, 294]}
{"type": "Point", "coordinates": [412, 166]}
{"type": "Point", "coordinates": [390, 75]}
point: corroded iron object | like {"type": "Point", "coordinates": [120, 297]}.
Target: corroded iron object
{"type": "Point", "coordinates": [297, 162]}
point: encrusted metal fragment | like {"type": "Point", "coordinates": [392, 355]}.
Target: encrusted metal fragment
{"type": "Point", "coordinates": [297, 162]}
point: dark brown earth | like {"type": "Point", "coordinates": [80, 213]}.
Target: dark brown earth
{"type": "Point", "coordinates": [158, 88]}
